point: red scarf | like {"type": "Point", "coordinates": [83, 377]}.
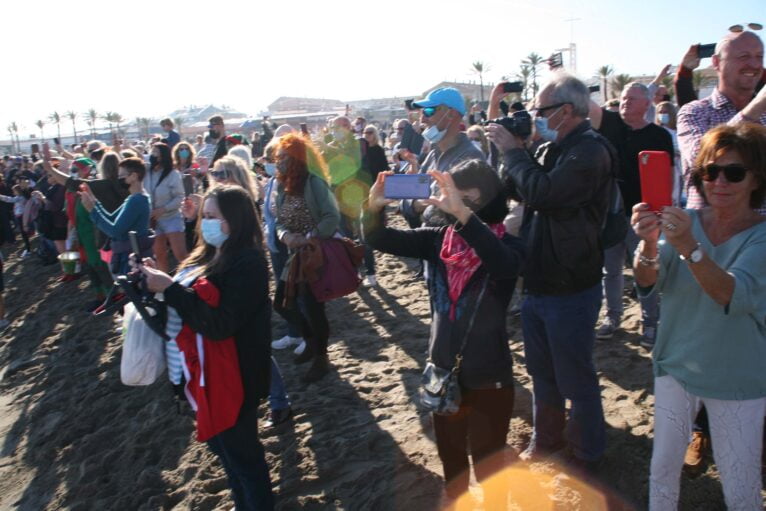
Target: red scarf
{"type": "Point", "coordinates": [461, 262]}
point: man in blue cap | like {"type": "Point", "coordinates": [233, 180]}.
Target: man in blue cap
{"type": "Point", "coordinates": [442, 113]}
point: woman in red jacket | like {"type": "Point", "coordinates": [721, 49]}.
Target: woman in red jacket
{"type": "Point", "coordinates": [229, 257]}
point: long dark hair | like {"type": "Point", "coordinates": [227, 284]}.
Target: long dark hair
{"type": "Point", "coordinates": [165, 160]}
{"type": "Point", "coordinates": [238, 209]}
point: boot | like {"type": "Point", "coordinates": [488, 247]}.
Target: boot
{"type": "Point", "coordinates": [306, 355]}
{"type": "Point", "coordinates": [319, 367]}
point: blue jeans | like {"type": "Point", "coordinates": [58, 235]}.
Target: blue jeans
{"type": "Point", "coordinates": [278, 399]}
{"type": "Point", "coordinates": [243, 459]}
{"type": "Point", "coordinates": [558, 346]}
{"type": "Point", "coordinates": [614, 262]}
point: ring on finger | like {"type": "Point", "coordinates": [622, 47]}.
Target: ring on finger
{"type": "Point", "coordinates": [671, 226]}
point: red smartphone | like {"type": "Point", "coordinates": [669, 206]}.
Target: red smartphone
{"type": "Point", "coordinates": [656, 174]}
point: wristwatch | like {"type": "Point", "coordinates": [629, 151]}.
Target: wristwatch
{"type": "Point", "coordinates": [694, 257]}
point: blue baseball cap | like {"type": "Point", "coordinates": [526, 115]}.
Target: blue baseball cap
{"type": "Point", "coordinates": [447, 96]}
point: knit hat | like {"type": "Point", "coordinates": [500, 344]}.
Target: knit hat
{"type": "Point", "coordinates": [84, 163]}
{"type": "Point", "coordinates": [235, 139]}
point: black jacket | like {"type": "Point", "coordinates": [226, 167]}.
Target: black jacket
{"type": "Point", "coordinates": [566, 197]}
{"type": "Point", "coordinates": [244, 312]}
{"type": "Point", "coordinates": [487, 361]}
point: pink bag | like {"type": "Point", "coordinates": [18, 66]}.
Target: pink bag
{"type": "Point", "coordinates": [338, 276]}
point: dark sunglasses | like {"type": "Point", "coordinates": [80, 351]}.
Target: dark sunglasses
{"type": "Point", "coordinates": [739, 28]}
{"type": "Point", "coordinates": [543, 109]}
{"type": "Point", "coordinates": [429, 111]}
{"type": "Point", "coordinates": [734, 173]}
{"type": "Point", "coordinates": [219, 174]}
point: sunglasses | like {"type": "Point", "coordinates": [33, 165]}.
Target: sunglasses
{"type": "Point", "coordinates": [429, 111]}
{"type": "Point", "coordinates": [739, 28]}
{"type": "Point", "coordinates": [734, 173]}
{"type": "Point", "coordinates": [219, 174]}
{"type": "Point", "coordinates": [543, 109]}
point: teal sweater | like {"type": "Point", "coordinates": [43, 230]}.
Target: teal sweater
{"type": "Point", "coordinates": [713, 351]}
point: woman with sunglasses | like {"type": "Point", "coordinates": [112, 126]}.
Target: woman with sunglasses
{"type": "Point", "coordinates": [709, 267]}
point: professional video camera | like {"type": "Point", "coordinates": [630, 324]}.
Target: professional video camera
{"type": "Point", "coordinates": [518, 123]}
{"type": "Point", "coordinates": [132, 288]}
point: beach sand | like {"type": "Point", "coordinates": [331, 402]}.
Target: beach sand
{"type": "Point", "coordinates": [73, 437]}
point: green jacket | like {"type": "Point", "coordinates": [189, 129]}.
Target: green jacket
{"type": "Point", "coordinates": [322, 207]}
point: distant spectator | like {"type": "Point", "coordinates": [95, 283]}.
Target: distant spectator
{"type": "Point", "coordinates": [171, 135]}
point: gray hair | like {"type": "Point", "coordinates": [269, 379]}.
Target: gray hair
{"type": "Point", "coordinates": [566, 88]}
{"type": "Point", "coordinates": [640, 86]}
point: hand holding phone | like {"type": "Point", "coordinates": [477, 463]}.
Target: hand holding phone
{"type": "Point", "coordinates": [656, 175]}
{"type": "Point", "coordinates": [407, 186]}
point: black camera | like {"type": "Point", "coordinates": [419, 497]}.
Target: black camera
{"type": "Point", "coordinates": [518, 123]}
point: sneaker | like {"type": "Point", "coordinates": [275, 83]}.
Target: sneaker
{"type": "Point", "coordinates": [606, 329]}
{"type": "Point", "coordinates": [694, 460]}
{"type": "Point", "coordinates": [285, 342]}
{"type": "Point", "coordinates": [370, 281]}
{"type": "Point", "coordinates": [25, 254]}
{"type": "Point", "coordinates": [277, 417]}
{"type": "Point", "coordinates": [647, 340]}
{"type": "Point", "coordinates": [305, 356]}
{"type": "Point", "coordinates": [301, 347]}
{"type": "Point", "coordinates": [4, 324]}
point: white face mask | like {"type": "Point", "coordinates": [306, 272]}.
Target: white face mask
{"type": "Point", "coordinates": [664, 119]}
{"type": "Point", "coordinates": [434, 134]}
{"type": "Point", "coordinates": [477, 145]}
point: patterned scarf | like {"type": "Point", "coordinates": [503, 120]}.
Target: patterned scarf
{"type": "Point", "coordinates": [461, 262]}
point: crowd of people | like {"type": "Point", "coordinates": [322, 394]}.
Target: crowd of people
{"type": "Point", "coordinates": [551, 211]}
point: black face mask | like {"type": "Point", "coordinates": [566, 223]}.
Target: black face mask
{"type": "Point", "coordinates": [214, 134]}
{"type": "Point", "coordinates": [123, 183]}
{"type": "Point", "coordinates": [153, 161]}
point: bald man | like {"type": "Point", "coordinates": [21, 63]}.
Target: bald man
{"type": "Point", "coordinates": [738, 61]}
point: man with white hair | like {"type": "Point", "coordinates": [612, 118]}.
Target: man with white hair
{"type": "Point", "coordinates": [630, 133]}
{"type": "Point", "coordinates": [566, 193]}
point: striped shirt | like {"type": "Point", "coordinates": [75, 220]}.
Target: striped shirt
{"type": "Point", "coordinates": [173, 328]}
{"type": "Point", "coordinates": [694, 120]}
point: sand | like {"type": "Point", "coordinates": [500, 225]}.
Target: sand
{"type": "Point", "coordinates": [73, 437]}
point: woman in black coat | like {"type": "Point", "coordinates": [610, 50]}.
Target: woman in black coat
{"type": "Point", "coordinates": [472, 265]}
{"type": "Point", "coordinates": [229, 254]}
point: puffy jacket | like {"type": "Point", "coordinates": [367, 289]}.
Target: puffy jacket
{"type": "Point", "coordinates": [566, 196]}
{"type": "Point", "coordinates": [167, 194]}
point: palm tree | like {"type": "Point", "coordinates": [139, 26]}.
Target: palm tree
{"type": "Point", "coordinates": [72, 115]}
{"type": "Point", "coordinates": [533, 60]}
{"type": "Point", "coordinates": [13, 144]}
{"type": "Point", "coordinates": [109, 117]}
{"type": "Point", "coordinates": [179, 122]}
{"type": "Point", "coordinates": [56, 119]}
{"type": "Point", "coordinates": [15, 128]}
{"type": "Point", "coordinates": [40, 124]}
{"type": "Point", "coordinates": [699, 80]}
{"type": "Point", "coordinates": [604, 72]}
{"type": "Point", "coordinates": [618, 83]}
{"type": "Point", "coordinates": [118, 119]}
{"type": "Point", "coordinates": [523, 76]}
{"type": "Point", "coordinates": [480, 68]}
{"type": "Point", "coordinates": [92, 116]}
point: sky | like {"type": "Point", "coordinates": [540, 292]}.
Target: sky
{"type": "Point", "coordinates": [148, 58]}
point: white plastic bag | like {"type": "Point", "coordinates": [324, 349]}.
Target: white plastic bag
{"type": "Point", "coordinates": [143, 351]}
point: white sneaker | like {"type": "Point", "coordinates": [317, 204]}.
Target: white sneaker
{"type": "Point", "coordinates": [285, 342]}
{"type": "Point", "coordinates": [300, 348]}
{"type": "Point", "coordinates": [370, 281]}
{"type": "Point", "coordinates": [607, 328]}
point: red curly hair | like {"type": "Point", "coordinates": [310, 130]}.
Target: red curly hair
{"type": "Point", "coordinates": [302, 158]}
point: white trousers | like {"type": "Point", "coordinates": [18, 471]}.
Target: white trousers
{"type": "Point", "coordinates": [736, 431]}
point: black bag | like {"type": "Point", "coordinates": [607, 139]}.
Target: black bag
{"type": "Point", "coordinates": [439, 388]}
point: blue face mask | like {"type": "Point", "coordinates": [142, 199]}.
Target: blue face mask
{"type": "Point", "coordinates": [184, 153]}
{"type": "Point", "coordinates": [271, 168]}
{"type": "Point", "coordinates": [546, 133]}
{"type": "Point", "coordinates": [212, 233]}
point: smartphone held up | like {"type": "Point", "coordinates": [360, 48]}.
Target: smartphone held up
{"type": "Point", "coordinates": [656, 174]}
{"type": "Point", "coordinates": [407, 186]}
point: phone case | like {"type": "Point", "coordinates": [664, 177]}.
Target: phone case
{"type": "Point", "coordinates": [412, 140]}
{"type": "Point", "coordinates": [656, 176]}
{"type": "Point", "coordinates": [407, 186]}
